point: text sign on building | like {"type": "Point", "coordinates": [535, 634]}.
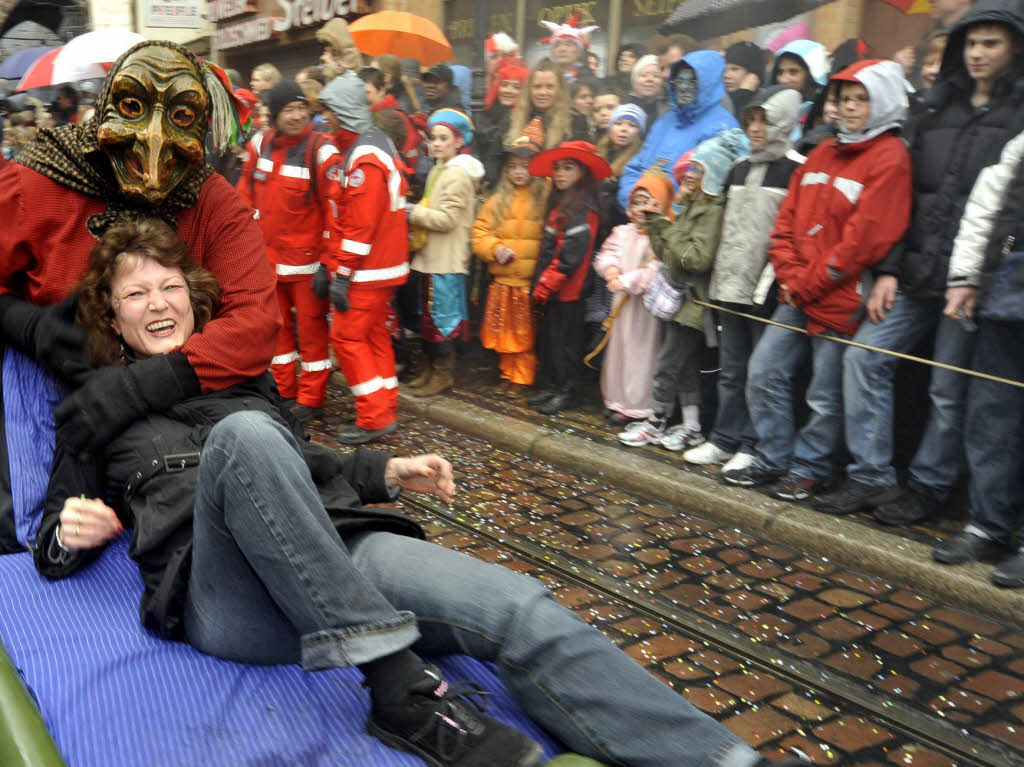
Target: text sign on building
{"type": "Point", "coordinates": [306, 13]}
{"type": "Point", "coordinates": [182, 14]}
{"type": "Point", "coordinates": [244, 33]}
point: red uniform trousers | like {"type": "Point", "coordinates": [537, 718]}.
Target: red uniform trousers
{"type": "Point", "coordinates": [362, 346]}
{"type": "Point", "coordinates": [311, 349]}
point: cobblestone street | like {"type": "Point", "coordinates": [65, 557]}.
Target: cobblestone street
{"type": "Point", "coordinates": [785, 648]}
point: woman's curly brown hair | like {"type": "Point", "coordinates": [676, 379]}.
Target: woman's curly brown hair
{"type": "Point", "coordinates": [135, 238]}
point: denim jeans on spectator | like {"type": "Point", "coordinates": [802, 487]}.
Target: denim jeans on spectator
{"type": "Point", "coordinates": [678, 372]}
{"type": "Point", "coordinates": [565, 673]}
{"type": "Point", "coordinates": [868, 384]}
{"type": "Point", "coordinates": [770, 380]}
{"type": "Point", "coordinates": [994, 432]}
{"type": "Point", "coordinates": [733, 430]}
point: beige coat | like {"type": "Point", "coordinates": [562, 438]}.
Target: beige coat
{"type": "Point", "coordinates": [448, 214]}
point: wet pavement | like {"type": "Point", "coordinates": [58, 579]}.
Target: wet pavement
{"type": "Point", "coordinates": [784, 648]}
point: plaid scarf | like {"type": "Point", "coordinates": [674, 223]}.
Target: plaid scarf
{"type": "Point", "coordinates": [71, 156]}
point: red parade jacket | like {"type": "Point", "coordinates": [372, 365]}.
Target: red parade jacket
{"type": "Point", "coordinates": [847, 206]}
{"type": "Point", "coordinates": [292, 184]}
{"type": "Point", "coordinates": [371, 227]}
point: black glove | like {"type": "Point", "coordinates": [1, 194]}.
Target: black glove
{"type": "Point", "coordinates": [339, 292]}
{"type": "Point", "coordinates": [114, 397]}
{"type": "Point", "coordinates": [48, 335]}
{"type": "Point", "coordinates": [321, 282]}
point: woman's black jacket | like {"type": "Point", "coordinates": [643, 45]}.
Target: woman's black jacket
{"type": "Point", "coordinates": [149, 474]}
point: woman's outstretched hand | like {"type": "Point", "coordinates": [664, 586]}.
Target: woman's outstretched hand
{"type": "Point", "coordinates": [430, 474]}
{"type": "Point", "coordinates": [86, 523]}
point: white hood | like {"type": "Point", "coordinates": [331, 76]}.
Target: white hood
{"type": "Point", "coordinates": [888, 90]}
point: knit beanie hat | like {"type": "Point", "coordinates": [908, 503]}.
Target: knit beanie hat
{"type": "Point", "coordinates": [283, 94]}
{"type": "Point", "coordinates": [345, 96]}
{"type": "Point", "coordinates": [641, 64]}
{"type": "Point", "coordinates": [717, 155]}
{"type": "Point", "coordinates": [747, 55]}
{"type": "Point", "coordinates": [456, 121]}
{"type": "Point", "coordinates": [632, 113]}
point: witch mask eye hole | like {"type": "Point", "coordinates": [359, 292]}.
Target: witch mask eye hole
{"type": "Point", "coordinates": [183, 117]}
{"type": "Point", "coordinates": [130, 107]}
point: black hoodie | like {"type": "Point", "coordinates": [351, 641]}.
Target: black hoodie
{"type": "Point", "coordinates": [950, 142]}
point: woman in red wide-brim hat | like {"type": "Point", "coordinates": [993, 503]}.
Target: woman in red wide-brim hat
{"type": "Point", "coordinates": [563, 268]}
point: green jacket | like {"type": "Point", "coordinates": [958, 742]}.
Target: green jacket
{"type": "Point", "coordinates": [686, 248]}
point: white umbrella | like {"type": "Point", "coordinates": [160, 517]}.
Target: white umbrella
{"type": "Point", "coordinates": [83, 57]}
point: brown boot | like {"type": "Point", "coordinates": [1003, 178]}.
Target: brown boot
{"type": "Point", "coordinates": [442, 379]}
{"type": "Point", "coordinates": [424, 377]}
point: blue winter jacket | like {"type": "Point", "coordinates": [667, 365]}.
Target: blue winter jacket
{"type": "Point", "coordinates": [682, 128]}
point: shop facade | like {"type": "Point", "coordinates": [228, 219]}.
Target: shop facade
{"type": "Point", "coordinates": [467, 22]}
{"type": "Point", "coordinates": [247, 33]}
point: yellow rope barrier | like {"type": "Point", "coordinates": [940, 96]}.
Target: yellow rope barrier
{"type": "Point", "coordinates": [849, 342]}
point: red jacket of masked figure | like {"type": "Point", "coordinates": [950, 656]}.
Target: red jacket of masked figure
{"type": "Point", "coordinates": [291, 183]}
{"type": "Point", "coordinates": [373, 233]}
{"type": "Point", "coordinates": [408, 150]}
{"type": "Point", "coordinates": [847, 206]}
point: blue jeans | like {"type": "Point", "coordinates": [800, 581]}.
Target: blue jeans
{"type": "Point", "coordinates": [564, 673]}
{"type": "Point", "coordinates": [994, 434]}
{"type": "Point", "coordinates": [733, 430]}
{"type": "Point", "coordinates": [770, 377]}
{"type": "Point", "coordinates": [869, 404]}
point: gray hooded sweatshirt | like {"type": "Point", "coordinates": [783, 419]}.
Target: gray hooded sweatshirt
{"type": "Point", "coordinates": [755, 189]}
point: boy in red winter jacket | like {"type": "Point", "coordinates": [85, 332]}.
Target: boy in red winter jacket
{"type": "Point", "coordinates": [846, 208]}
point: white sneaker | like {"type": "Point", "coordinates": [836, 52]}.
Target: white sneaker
{"type": "Point", "coordinates": [707, 453]}
{"type": "Point", "coordinates": [631, 427]}
{"type": "Point", "coordinates": [681, 437]}
{"type": "Point", "coordinates": [646, 433]}
{"type": "Point", "coordinates": [738, 462]}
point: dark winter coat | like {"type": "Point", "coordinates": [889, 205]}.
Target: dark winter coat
{"type": "Point", "coordinates": [149, 476]}
{"type": "Point", "coordinates": [950, 142]}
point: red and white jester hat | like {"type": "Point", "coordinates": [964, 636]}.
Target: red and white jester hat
{"type": "Point", "coordinates": [569, 31]}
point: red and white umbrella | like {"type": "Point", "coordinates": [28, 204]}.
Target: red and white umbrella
{"type": "Point", "coordinates": [82, 58]}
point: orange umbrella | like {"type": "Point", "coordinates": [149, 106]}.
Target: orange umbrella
{"type": "Point", "coordinates": [403, 34]}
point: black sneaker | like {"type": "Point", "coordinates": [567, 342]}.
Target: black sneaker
{"type": "Point", "coordinates": [967, 547]}
{"type": "Point", "coordinates": [563, 400]}
{"type": "Point", "coordinates": [357, 435]}
{"type": "Point", "coordinates": [1010, 573]}
{"type": "Point", "coordinates": [444, 725]}
{"type": "Point", "coordinates": [305, 413]}
{"type": "Point", "coordinates": [909, 507]}
{"type": "Point", "coordinates": [853, 496]}
{"type": "Point", "coordinates": [794, 488]}
{"type": "Point", "coordinates": [754, 475]}
{"type": "Point", "coordinates": [540, 396]}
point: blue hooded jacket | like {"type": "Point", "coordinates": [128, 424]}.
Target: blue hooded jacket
{"type": "Point", "coordinates": [683, 127]}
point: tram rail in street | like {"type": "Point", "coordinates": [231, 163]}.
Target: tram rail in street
{"type": "Point", "coordinates": [936, 733]}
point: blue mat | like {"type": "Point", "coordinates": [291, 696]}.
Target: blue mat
{"type": "Point", "coordinates": [112, 694]}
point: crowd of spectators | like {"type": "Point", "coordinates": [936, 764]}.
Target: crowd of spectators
{"type": "Point", "coordinates": [767, 204]}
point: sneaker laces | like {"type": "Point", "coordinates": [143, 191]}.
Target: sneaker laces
{"type": "Point", "coordinates": [456, 706]}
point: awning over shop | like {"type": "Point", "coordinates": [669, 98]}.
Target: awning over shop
{"type": "Point", "coordinates": [712, 18]}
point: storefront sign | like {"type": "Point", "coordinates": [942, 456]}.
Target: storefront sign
{"type": "Point", "coordinates": [226, 9]}
{"type": "Point", "coordinates": [306, 13]}
{"type": "Point", "coordinates": [182, 14]}
{"type": "Point", "coordinates": [244, 33]}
